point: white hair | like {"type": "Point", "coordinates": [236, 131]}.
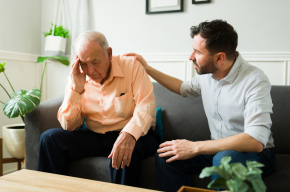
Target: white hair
{"type": "Point", "coordinates": [94, 36]}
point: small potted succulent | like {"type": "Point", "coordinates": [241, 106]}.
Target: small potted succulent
{"type": "Point", "coordinates": [235, 177]}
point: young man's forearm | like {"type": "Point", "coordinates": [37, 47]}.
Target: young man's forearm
{"type": "Point", "coordinates": [241, 142]}
{"type": "Point", "coordinates": [171, 83]}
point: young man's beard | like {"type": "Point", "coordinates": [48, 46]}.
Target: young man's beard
{"type": "Point", "coordinates": [208, 68]}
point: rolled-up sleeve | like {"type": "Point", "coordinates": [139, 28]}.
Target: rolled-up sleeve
{"type": "Point", "coordinates": [144, 115]}
{"type": "Point", "coordinates": [190, 88]}
{"type": "Point", "coordinates": [69, 113]}
{"type": "Point", "coordinates": [258, 109]}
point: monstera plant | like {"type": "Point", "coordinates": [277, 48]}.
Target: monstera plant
{"type": "Point", "coordinates": [23, 101]}
{"type": "Point", "coordinates": [20, 103]}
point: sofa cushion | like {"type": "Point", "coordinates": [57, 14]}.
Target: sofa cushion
{"type": "Point", "coordinates": [276, 181]}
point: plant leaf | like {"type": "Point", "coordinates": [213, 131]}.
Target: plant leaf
{"type": "Point", "coordinates": [237, 185]}
{"type": "Point", "coordinates": [22, 102]}
{"type": "Point", "coordinates": [225, 164]}
{"type": "Point", "coordinates": [240, 171]}
{"type": "Point", "coordinates": [61, 59]}
{"type": "Point", "coordinates": [2, 69]}
{"type": "Point", "coordinates": [251, 164]}
{"type": "Point", "coordinates": [218, 183]}
{"type": "Point", "coordinates": [208, 171]}
{"type": "Point", "coordinates": [258, 185]}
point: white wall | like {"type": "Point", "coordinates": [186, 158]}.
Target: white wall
{"type": "Point", "coordinates": [163, 39]}
{"type": "Point", "coordinates": [20, 26]}
{"type": "Point", "coordinates": [19, 38]}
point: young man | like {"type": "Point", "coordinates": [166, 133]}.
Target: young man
{"type": "Point", "coordinates": [118, 103]}
{"type": "Point", "coordinates": [237, 102]}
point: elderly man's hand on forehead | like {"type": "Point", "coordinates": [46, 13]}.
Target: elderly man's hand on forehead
{"type": "Point", "coordinates": [78, 77]}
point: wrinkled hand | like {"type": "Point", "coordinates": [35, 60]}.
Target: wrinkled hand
{"type": "Point", "coordinates": [138, 58]}
{"type": "Point", "coordinates": [78, 77]}
{"type": "Point", "coordinates": [178, 149]}
{"type": "Point", "coordinates": [122, 150]}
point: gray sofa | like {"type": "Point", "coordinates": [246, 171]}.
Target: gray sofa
{"type": "Point", "coordinates": [183, 118]}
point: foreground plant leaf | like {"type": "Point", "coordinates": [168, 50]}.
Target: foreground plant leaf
{"type": "Point", "coordinates": [218, 183]}
{"type": "Point", "coordinates": [208, 171]}
{"type": "Point", "coordinates": [22, 102]}
{"type": "Point", "coordinates": [61, 59]}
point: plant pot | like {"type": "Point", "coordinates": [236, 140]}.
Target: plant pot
{"type": "Point", "coordinates": [14, 139]}
{"type": "Point", "coordinates": [54, 45]}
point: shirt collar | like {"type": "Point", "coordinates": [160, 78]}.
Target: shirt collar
{"type": "Point", "coordinates": [115, 72]}
{"type": "Point", "coordinates": [232, 75]}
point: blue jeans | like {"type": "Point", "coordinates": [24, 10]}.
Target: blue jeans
{"type": "Point", "coordinates": [171, 176]}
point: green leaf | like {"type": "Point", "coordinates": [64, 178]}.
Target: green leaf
{"type": "Point", "coordinates": [208, 171]}
{"type": "Point", "coordinates": [240, 171]}
{"type": "Point", "coordinates": [251, 164]}
{"type": "Point", "coordinates": [61, 59]}
{"type": "Point", "coordinates": [58, 31]}
{"type": "Point", "coordinates": [255, 170]}
{"type": "Point", "coordinates": [226, 160]}
{"type": "Point", "coordinates": [2, 69]}
{"type": "Point", "coordinates": [218, 183]}
{"type": "Point", "coordinates": [22, 102]}
{"type": "Point", "coordinates": [258, 185]}
{"type": "Point", "coordinates": [237, 185]}
{"type": "Point", "coordinates": [226, 166]}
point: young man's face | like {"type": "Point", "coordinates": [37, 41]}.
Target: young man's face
{"type": "Point", "coordinates": [94, 61]}
{"type": "Point", "coordinates": [203, 61]}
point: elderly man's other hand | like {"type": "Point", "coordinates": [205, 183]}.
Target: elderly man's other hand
{"type": "Point", "coordinates": [78, 77]}
{"type": "Point", "coordinates": [138, 58]}
{"type": "Point", "coordinates": [178, 149]}
{"type": "Point", "coordinates": [122, 150]}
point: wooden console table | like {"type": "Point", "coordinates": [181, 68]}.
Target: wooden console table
{"type": "Point", "coordinates": [8, 160]}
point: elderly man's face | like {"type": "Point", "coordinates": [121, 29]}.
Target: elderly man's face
{"type": "Point", "coordinates": [94, 61]}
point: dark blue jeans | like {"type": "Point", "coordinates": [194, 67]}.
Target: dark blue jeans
{"type": "Point", "coordinates": [58, 147]}
{"type": "Point", "coordinates": [171, 176]}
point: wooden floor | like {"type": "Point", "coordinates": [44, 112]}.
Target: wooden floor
{"type": "Point", "coordinates": [29, 181]}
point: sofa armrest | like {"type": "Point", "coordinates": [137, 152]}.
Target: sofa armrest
{"type": "Point", "coordinates": [42, 118]}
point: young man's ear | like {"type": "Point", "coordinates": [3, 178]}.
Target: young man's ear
{"type": "Point", "coordinates": [220, 58]}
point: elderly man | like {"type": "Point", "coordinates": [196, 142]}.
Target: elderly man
{"type": "Point", "coordinates": [115, 96]}
{"type": "Point", "coordinates": [237, 102]}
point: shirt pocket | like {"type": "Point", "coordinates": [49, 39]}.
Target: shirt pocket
{"type": "Point", "coordinates": [124, 105]}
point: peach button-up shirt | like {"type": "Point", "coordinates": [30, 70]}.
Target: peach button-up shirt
{"type": "Point", "coordinates": [125, 102]}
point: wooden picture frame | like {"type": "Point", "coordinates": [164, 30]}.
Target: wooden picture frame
{"type": "Point", "coordinates": [200, 1]}
{"type": "Point", "coordinates": [163, 6]}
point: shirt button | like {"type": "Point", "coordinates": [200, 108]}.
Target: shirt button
{"type": "Point", "coordinates": [78, 99]}
{"type": "Point", "coordinates": [105, 103]}
{"type": "Point", "coordinates": [105, 117]}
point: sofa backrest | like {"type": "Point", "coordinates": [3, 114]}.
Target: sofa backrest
{"type": "Point", "coordinates": [184, 118]}
{"type": "Point", "coordinates": [281, 118]}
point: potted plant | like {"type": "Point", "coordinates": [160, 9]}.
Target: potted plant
{"type": "Point", "coordinates": [235, 176]}
{"type": "Point", "coordinates": [20, 103]}
{"type": "Point", "coordinates": [55, 40]}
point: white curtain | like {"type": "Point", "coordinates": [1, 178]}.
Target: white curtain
{"type": "Point", "coordinates": [80, 22]}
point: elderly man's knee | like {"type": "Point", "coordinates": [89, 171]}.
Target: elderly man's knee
{"type": "Point", "coordinates": [48, 135]}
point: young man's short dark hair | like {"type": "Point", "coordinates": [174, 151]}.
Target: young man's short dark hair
{"type": "Point", "coordinates": [220, 37]}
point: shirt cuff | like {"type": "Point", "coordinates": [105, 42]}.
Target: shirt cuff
{"type": "Point", "coordinates": [74, 96]}
{"type": "Point", "coordinates": [139, 125]}
{"type": "Point", "coordinates": [260, 133]}
{"type": "Point", "coordinates": [182, 89]}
